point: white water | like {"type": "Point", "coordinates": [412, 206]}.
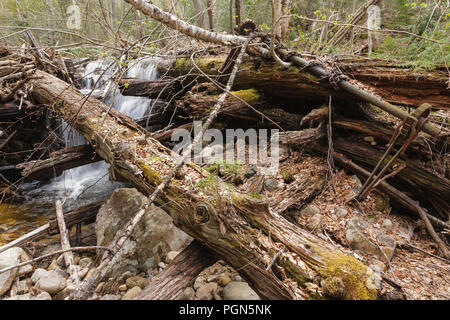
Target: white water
{"type": "Point", "coordinates": [92, 180]}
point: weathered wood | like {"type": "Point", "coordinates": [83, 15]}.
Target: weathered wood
{"type": "Point", "coordinates": [237, 227]}
{"type": "Point", "coordinates": [158, 89]}
{"type": "Point", "coordinates": [179, 274]}
{"type": "Point", "coordinates": [58, 162]}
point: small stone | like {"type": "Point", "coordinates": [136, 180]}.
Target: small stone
{"type": "Point", "coordinates": [51, 282]}
{"type": "Point", "coordinates": [132, 293]}
{"type": "Point", "coordinates": [341, 212]}
{"type": "Point", "coordinates": [85, 263]}
{"type": "Point", "coordinates": [314, 222]}
{"type": "Point", "coordinates": [237, 278]}
{"type": "Point", "coordinates": [200, 281]}
{"type": "Point", "coordinates": [162, 265]}
{"type": "Point", "coordinates": [110, 297]}
{"type": "Point", "coordinates": [63, 294]}
{"type": "Point", "coordinates": [223, 280]}
{"type": "Point", "coordinates": [369, 139]}
{"type": "Point", "coordinates": [251, 171]}
{"type": "Point", "coordinates": [171, 256]}
{"type": "Point", "coordinates": [188, 294]}
{"type": "Point", "coordinates": [205, 292]}
{"type": "Point", "coordinates": [123, 278]}
{"type": "Point", "coordinates": [99, 287]}
{"type": "Point", "coordinates": [38, 273]}
{"type": "Point", "coordinates": [310, 210]}
{"type": "Point", "coordinates": [239, 291]}
{"type": "Point", "coordinates": [22, 286]}
{"type": "Point", "coordinates": [387, 224]}
{"type": "Point", "coordinates": [123, 288]}
{"type": "Point", "coordinates": [387, 246]}
{"type": "Point", "coordinates": [137, 281]}
{"type": "Point", "coordinates": [358, 184]}
{"type": "Point", "coordinates": [270, 185]}
{"type": "Point", "coordinates": [61, 261]}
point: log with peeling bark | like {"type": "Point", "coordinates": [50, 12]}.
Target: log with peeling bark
{"type": "Point", "coordinates": [58, 162]}
{"type": "Point", "coordinates": [179, 274]}
{"type": "Point", "coordinates": [239, 228]}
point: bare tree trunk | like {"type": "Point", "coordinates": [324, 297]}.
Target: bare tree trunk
{"type": "Point", "coordinates": [276, 18]}
{"type": "Point", "coordinates": [200, 14]}
{"type": "Point", "coordinates": [211, 13]}
{"type": "Point", "coordinates": [238, 13]}
{"type": "Point", "coordinates": [285, 6]}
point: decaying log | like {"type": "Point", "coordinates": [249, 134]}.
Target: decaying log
{"type": "Point", "coordinates": [179, 274]}
{"type": "Point", "coordinates": [237, 227]}
{"type": "Point", "coordinates": [158, 89]}
{"type": "Point", "coordinates": [58, 162]}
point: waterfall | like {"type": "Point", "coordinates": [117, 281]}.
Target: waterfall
{"type": "Point", "coordinates": [94, 177]}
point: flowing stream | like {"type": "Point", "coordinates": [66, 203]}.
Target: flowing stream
{"type": "Point", "coordinates": [85, 184]}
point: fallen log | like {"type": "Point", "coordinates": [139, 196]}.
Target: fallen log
{"type": "Point", "coordinates": [58, 162]}
{"type": "Point", "coordinates": [158, 89]}
{"type": "Point", "coordinates": [237, 227]}
{"type": "Point", "coordinates": [179, 274]}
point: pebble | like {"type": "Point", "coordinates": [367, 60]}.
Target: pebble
{"type": "Point", "coordinates": [188, 294]}
{"type": "Point", "coordinates": [137, 281]}
{"type": "Point", "coordinates": [132, 293]}
{"type": "Point", "coordinates": [387, 224]}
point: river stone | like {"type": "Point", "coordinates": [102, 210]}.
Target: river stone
{"type": "Point", "coordinates": [51, 282]}
{"type": "Point", "coordinates": [37, 274]}
{"type": "Point", "coordinates": [132, 293]}
{"type": "Point", "coordinates": [137, 282]}
{"type": "Point", "coordinates": [8, 258]}
{"type": "Point", "coordinates": [63, 294]}
{"type": "Point", "coordinates": [29, 296]}
{"type": "Point", "coordinates": [154, 236]}
{"type": "Point", "coordinates": [251, 171]}
{"type": "Point", "coordinates": [237, 290]}
{"type": "Point", "coordinates": [205, 292]}
{"type": "Point", "coordinates": [270, 185]}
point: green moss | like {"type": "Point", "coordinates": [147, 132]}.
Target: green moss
{"type": "Point", "coordinates": [288, 177]}
{"type": "Point", "coordinates": [353, 273]}
{"type": "Point", "coordinates": [149, 173]}
{"type": "Point", "coordinates": [255, 195]}
{"type": "Point", "coordinates": [249, 96]}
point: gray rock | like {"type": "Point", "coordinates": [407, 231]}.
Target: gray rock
{"type": "Point", "coordinates": [239, 291]}
{"type": "Point", "coordinates": [110, 297]}
{"type": "Point", "coordinates": [51, 282]}
{"type": "Point", "coordinates": [382, 202]}
{"type": "Point", "coordinates": [132, 293]}
{"type": "Point", "coordinates": [61, 261]}
{"type": "Point", "coordinates": [199, 281]}
{"type": "Point", "coordinates": [310, 210]}
{"type": "Point", "coordinates": [8, 258]}
{"type": "Point", "coordinates": [314, 222]}
{"type": "Point", "coordinates": [358, 241]}
{"type": "Point", "coordinates": [387, 224]}
{"type": "Point", "coordinates": [251, 171]}
{"type": "Point", "coordinates": [188, 294]}
{"type": "Point", "coordinates": [406, 232]}
{"type": "Point", "coordinates": [63, 294]}
{"type": "Point", "coordinates": [154, 236]}
{"type": "Point", "coordinates": [270, 185]}
{"type": "Point", "coordinates": [387, 246]}
{"type": "Point", "coordinates": [341, 212]}
{"type": "Point", "coordinates": [205, 292]}
{"type": "Point", "coordinates": [358, 184]}
{"type": "Point", "coordinates": [37, 274]}
{"type": "Point", "coordinates": [29, 296]}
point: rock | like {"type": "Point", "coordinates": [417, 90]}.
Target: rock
{"type": "Point", "coordinates": [251, 171]}
{"type": "Point", "coordinates": [8, 258]}
{"type": "Point", "coordinates": [154, 236]}
{"type": "Point", "coordinates": [29, 296]}
{"type": "Point", "coordinates": [188, 294]}
{"type": "Point", "coordinates": [61, 261]}
{"type": "Point", "coordinates": [162, 265]}
{"type": "Point", "coordinates": [223, 280]}
{"type": "Point", "coordinates": [123, 288]}
{"type": "Point", "coordinates": [341, 212]}
{"type": "Point", "coordinates": [83, 272]}
{"type": "Point", "coordinates": [270, 185]}
{"type": "Point", "coordinates": [137, 282]}
{"type": "Point", "coordinates": [132, 293]}
{"type": "Point", "coordinates": [237, 290]}
{"type": "Point", "coordinates": [314, 222]}
{"type": "Point", "coordinates": [358, 184]}
{"type": "Point", "coordinates": [406, 232]}
{"type": "Point", "coordinates": [85, 263]}
{"type": "Point", "coordinates": [205, 292]}
{"type": "Point", "coordinates": [200, 281]}
{"type": "Point", "coordinates": [387, 224]}
{"type": "Point", "coordinates": [37, 274]}
{"type": "Point", "coordinates": [171, 256]}
{"type": "Point", "coordinates": [310, 210]}
{"type": "Point", "coordinates": [63, 294]}
{"type": "Point", "coordinates": [382, 202]}
{"type": "Point", "coordinates": [23, 286]}
{"type": "Point", "coordinates": [356, 238]}
{"type": "Point", "coordinates": [387, 246]}
{"type": "Point", "coordinates": [51, 282]}
{"type": "Point", "coordinates": [124, 276]}
{"type": "Point", "coordinates": [110, 297]}
{"type": "Point", "coordinates": [237, 277]}
{"type": "Point", "coordinates": [369, 139]}
{"type": "Point", "coordinates": [99, 287]}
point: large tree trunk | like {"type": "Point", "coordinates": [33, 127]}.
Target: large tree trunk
{"type": "Point", "coordinates": [274, 255]}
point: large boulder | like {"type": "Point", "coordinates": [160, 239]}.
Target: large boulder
{"type": "Point", "coordinates": [154, 236]}
{"type": "Point", "coordinates": [9, 258]}
{"type": "Point", "coordinates": [238, 290]}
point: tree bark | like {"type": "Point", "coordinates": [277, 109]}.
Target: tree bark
{"type": "Point", "coordinates": [200, 14]}
{"type": "Point", "coordinates": [237, 227]}
{"type": "Point", "coordinates": [179, 274]}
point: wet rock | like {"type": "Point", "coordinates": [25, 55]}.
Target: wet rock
{"type": "Point", "coordinates": [29, 296]}
{"type": "Point", "coordinates": [110, 297]}
{"type": "Point", "coordinates": [188, 294]}
{"type": "Point", "coordinates": [51, 282]}
{"type": "Point", "coordinates": [137, 281]}
{"type": "Point", "coordinates": [237, 290]}
{"type": "Point", "coordinates": [251, 171]}
{"type": "Point", "coordinates": [387, 224]}
{"type": "Point", "coordinates": [341, 212]}
{"type": "Point", "coordinates": [223, 280]}
{"type": "Point", "coordinates": [314, 222]}
{"type": "Point", "coordinates": [171, 256]}
{"type": "Point", "coordinates": [132, 293]}
{"type": "Point", "coordinates": [8, 258]}
{"type": "Point", "coordinates": [205, 292]}
{"type": "Point", "coordinates": [270, 185]}
{"type": "Point", "coordinates": [310, 210]}
{"type": "Point", "coordinates": [154, 236]}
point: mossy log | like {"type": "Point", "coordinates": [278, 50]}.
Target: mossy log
{"type": "Point", "coordinates": [272, 254]}
{"type": "Point", "coordinates": [396, 85]}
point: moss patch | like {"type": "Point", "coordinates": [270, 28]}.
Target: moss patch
{"type": "Point", "coordinates": [249, 96]}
